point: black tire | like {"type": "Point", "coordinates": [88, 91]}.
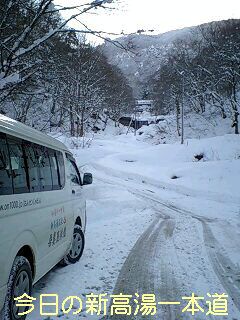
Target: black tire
{"type": "Point", "coordinates": [21, 270]}
{"type": "Point", "coordinates": [77, 247]}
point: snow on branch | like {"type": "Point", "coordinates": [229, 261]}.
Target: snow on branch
{"type": "Point", "coordinates": [16, 46]}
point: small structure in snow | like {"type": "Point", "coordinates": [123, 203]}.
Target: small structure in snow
{"type": "Point", "coordinates": [144, 105]}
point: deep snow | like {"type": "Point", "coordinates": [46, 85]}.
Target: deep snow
{"type": "Point", "coordinates": [197, 234]}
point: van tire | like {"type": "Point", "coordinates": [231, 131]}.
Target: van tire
{"type": "Point", "coordinates": [77, 247]}
{"type": "Point", "coordinates": [21, 266]}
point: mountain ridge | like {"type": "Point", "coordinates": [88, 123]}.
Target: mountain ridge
{"type": "Point", "coordinates": [145, 53]}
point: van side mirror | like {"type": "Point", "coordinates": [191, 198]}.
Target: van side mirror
{"type": "Point", "coordinates": [87, 179]}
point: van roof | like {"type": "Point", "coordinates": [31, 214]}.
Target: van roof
{"type": "Point", "coordinates": [20, 130]}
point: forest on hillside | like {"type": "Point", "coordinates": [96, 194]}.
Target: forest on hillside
{"type": "Point", "coordinates": [202, 73]}
{"type": "Point", "coordinates": [51, 77]}
{"type": "Point", "coordinates": [197, 67]}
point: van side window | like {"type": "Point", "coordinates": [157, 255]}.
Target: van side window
{"type": "Point", "coordinates": [45, 174]}
{"type": "Point", "coordinates": [19, 166]}
{"type": "Point", "coordinates": [32, 164]}
{"type": "Point", "coordinates": [54, 170]}
{"type": "Point", "coordinates": [29, 167]}
{"type": "Point", "coordinates": [73, 170]}
{"type": "Point", "coordinates": [61, 168]}
{"type": "Point", "coordinates": [6, 186]}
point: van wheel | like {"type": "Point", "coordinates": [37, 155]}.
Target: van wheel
{"type": "Point", "coordinates": [77, 247]}
{"type": "Point", "coordinates": [20, 282]}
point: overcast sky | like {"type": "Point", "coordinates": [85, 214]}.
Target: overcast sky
{"type": "Point", "coordinates": [161, 16]}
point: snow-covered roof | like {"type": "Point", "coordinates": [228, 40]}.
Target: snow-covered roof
{"type": "Point", "coordinates": [20, 130]}
{"type": "Point", "coordinates": [144, 102]}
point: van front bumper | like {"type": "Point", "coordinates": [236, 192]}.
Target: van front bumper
{"type": "Point", "coordinates": [3, 292]}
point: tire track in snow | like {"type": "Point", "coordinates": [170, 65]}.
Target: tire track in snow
{"type": "Point", "coordinates": [140, 193]}
{"type": "Point", "coordinates": [180, 189]}
{"type": "Point", "coordinates": [147, 270]}
{"type": "Point", "coordinates": [227, 272]}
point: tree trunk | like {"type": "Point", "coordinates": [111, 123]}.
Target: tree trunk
{"type": "Point", "coordinates": [177, 116]}
{"type": "Point", "coordinates": [52, 112]}
{"type": "Point", "coordinates": [235, 107]}
{"type": "Point", "coordinates": [72, 133]}
{"type": "Point", "coordinates": [82, 125]}
{"type": "Point", "coordinates": [236, 114]}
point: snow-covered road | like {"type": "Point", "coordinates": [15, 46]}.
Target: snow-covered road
{"type": "Point", "coordinates": [146, 235]}
{"type": "Point", "coordinates": [178, 254]}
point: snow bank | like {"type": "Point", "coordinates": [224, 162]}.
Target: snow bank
{"type": "Point", "coordinates": [209, 165]}
{"type": "Point", "coordinates": [195, 126]}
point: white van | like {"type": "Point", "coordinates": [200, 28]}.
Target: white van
{"type": "Point", "coordinates": [42, 211]}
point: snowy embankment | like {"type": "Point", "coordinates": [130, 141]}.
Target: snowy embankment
{"type": "Point", "coordinates": [147, 232]}
{"type": "Point", "coordinates": [207, 167]}
{"type": "Point", "coordinates": [196, 126]}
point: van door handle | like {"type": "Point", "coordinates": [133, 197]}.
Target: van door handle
{"type": "Point", "coordinates": [73, 192]}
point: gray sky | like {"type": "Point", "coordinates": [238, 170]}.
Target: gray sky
{"type": "Point", "coordinates": [159, 15]}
